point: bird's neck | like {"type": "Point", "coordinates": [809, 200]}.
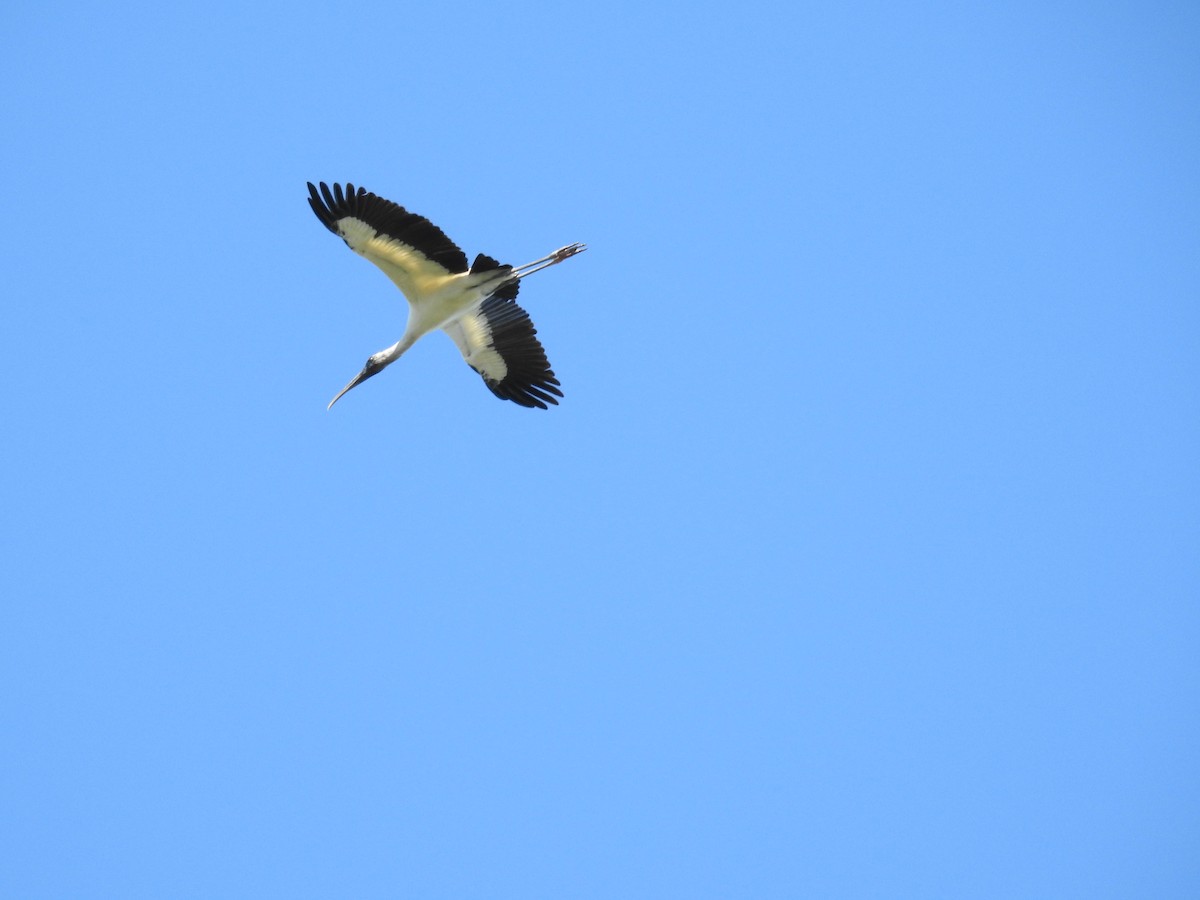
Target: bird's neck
{"type": "Point", "coordinates": [394, 352]}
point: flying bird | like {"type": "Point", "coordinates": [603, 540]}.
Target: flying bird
{"type": "Point", "coordinates": [475, 305]}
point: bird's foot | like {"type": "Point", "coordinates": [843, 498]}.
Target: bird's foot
{"type": "Point", "coordinates": [567, 252]}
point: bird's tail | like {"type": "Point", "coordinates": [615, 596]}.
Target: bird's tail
{"type": "Point", "coordinates": [485, 263]}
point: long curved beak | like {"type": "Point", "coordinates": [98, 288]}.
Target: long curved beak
{"type": "Point", "coordinates": [355, 382]}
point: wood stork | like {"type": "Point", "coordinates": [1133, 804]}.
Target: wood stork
{"type": "Point", "coordinates": [475, 305]}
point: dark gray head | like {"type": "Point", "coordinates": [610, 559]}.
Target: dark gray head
{"type": "Point", "coordinates": [373, 367]}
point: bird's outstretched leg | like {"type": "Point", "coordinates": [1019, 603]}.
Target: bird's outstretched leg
{"type": "Point", "coordinates": [546, 261]}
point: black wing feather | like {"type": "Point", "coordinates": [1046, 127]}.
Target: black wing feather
{"type": "Point", "coordinates": [388, 219]}
{"type": "Point", "coordinates": [530, 381]}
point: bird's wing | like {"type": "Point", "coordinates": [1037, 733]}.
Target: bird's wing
{"type": "Point", "coordinates": [410, 249]}
{"type": "Point", "coordinates": [497, 339]}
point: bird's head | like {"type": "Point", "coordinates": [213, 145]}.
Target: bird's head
{"type": "Point", "coordinates": [374, 365]}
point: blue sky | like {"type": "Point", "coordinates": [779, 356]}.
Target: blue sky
{"type": "Point", "coordinates": [860, 559]}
